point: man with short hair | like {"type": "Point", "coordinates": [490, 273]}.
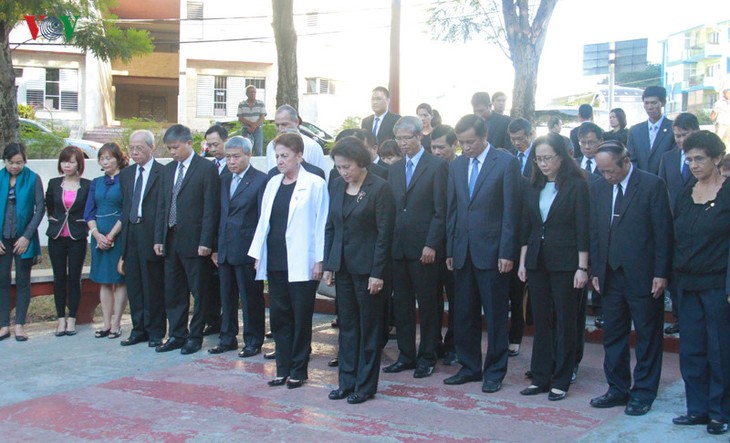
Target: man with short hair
{"type": "Point", "coordinates": [382, 121]}
{"type": "Point", "coordinates": [481, 246]}
{"type": "Point", "coordinates": [631, 258]}
{"type": "Point", "coordinates": [590, 136]}
{"type": "Point", "coordinates": [555, 125]}
{"type": "Point", "coordinates": [720, 116]}
{"type": "Point", "coordinates": [496, 123]}
{"type": "Point", "coordinates": [443, 142]}
{"type": "Point", "coordinates": [240, 198]}
{"type": "Point", "coordinates": [215, 138]}
{"type": "Point", "coordinates": [286, 119]}
{"type": "Point", "coordinates": [251, 114]}
{"type": "Point", "coordinates": [185, 234]}
{"type": "Point", "coordinates": [144, 270]}
{"type": "Point", "coordinates": [585, 115]}
{"type": "Point", "coordinates": [499, 102]}
{"type": "Point", "coordinates": [649, 140]}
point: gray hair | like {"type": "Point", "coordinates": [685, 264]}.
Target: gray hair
{"type": "Point", "coordinates": [289, 109]}
{"type": "Point", "coordinates": [410, 123]}
{"type": "Point", "coordinates": [149, 137]}
{"type": "Point", "coordinates": [241, 143]}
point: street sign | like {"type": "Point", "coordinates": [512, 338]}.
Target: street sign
{"type": "Point", "coordinates": [595, 59]}
{"type": "Point", "coordinates": [631, 55]}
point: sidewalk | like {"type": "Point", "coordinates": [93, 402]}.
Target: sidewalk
{"type": "Point", "coordinates": [86, 389]}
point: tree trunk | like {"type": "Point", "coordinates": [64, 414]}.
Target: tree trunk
{"type": "Point", "coordinates": [525, 84]}
{"type": "Point", "coordinates": [287, 91]}
{"type": "Point", "coordinates": [8, 100]}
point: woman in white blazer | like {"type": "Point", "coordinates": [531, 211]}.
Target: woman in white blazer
{"type": "Point", "coordinates": [288, 247]}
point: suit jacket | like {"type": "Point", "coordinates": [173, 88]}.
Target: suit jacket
{"type": "Point", "coordinates": [198, 206]}
{"type": "Point", "coordinates": [644, 231]}
{"type": "Point", "coordinates": [670, 172]}
{"type": "Point", "coordinates": [420, 210]}
{"type": "Point", "coordinates": [385, 130]}
{"type": "Point", "coordinates": [59, 216]}
{"type": "Point", "coordinates": [486, 225]}
{"type": "Point", "coordinates": [642, 155]}
{"type": "Point", "coordinates": [373, 168]}
{"type": "Point", "coordinates": [497, 133]}
{"type": "Point", "coordinates": [308, 209]}
{"type": "Point", "coordinates": [239, 216]}
{"type": "Point", "coordinates": [150, 205]}
{"type": "Point", "coordinates": [361, 234]}
{"type": "Point", "coordinates": [564, 232]}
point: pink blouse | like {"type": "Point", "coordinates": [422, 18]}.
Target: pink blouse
{"type": "Point", "coordinates": [69, 197]}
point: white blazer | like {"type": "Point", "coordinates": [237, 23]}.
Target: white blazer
{"type": "Point", "coordinates": [308, 210]}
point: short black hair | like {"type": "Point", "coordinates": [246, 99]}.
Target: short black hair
{"type": "Point", "coordinates": [481, 98]}
{"type": "Point", "coordinates": [585, 111]}
{"type": "Point", "coordinates": [13, 149]}
{"type": "Point", "coordinates": [352, 148]}
{"type": "Point", "coordinates": [655, 91]}
{"type": "Point", "coordinates": [707, 141]}
{"type": "Point", "coordinates": [67, 154]}
{"type": "Point", "coordinates": [519, 124]}
{"type": "Point", "coordinates": [553, 121]}
{"type": "Point", "coordinates": [177, 133]}
{"type": "Point", "coordinates": [366, 136]}
{"type": "Point", "coordinates": [444, 130]}
{"type": "Point", "coordinates": [686, 121]}
{"type": "Point", "coordinates": [587, 128]}
{"type": "Point", "coordinates": [382, 89]}
{"type": "Point", "coordinates": [222, 132]}
{"type": "Point", "coordinates": [345, 133]}
{"type": "Point", "coordinates": [390, 148]}
{"type": "Point", "coordinates": [472, 121]}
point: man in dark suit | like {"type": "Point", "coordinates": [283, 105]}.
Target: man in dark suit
{"type": "Point", "coordinates": [631, 257]}
{"type": "Point", "coordinates": [382, 121]}
{"type": "Point", "coordinates": [144, 270]}
{"type": "Point", "coordinates": [496, 123]}
{"type": "Point", "coordinates": [418, 182]}
{"type": "Point", "coordinates": [676, 174]}
{"type": "Point", "coordinates": [585, 115]}
{"type": "Point", "coordinates": [185, 234]}
{"type": "Point", "coordinates": [241, 193]}
{"type": "Point", "coordinates": [649, 140]}
{"type": "Point", "coordinates": [215, 139]}
{"type": "Point", "coordinates": [481, 245]}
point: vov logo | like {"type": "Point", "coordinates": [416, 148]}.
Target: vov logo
{"type": "Point", "coordinates": [52, 27]}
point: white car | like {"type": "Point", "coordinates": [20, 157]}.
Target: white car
{"type": "Point", "coordinates": [89, 147]}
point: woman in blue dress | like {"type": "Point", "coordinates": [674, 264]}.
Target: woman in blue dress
{"type": "Point", "coordinates": [103, 216]}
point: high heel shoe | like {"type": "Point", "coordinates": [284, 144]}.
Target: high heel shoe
{"type": "Point", "coordinates": [61, 328]}
{"type": "Point", "coordinates": [71, 326]}
{"type": "Point", "coordinates": [115, 334]}
{"type": "Point", "coordinates": [101, 333]}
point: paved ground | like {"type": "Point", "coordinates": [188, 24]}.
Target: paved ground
{"type": "Point", "coordinates": [86, 389]}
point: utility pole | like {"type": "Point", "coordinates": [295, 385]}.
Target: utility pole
{"type": "Point", "coordinates": [394, 79]}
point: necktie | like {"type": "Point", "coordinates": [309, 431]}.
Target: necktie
{"type": "Point", "coordinates": [473, 176]}
{"type": "Point", "coordinates": [589, 168]}
{"type": "Point", "coordinates": [218, 165]}
{"type": "Point", "coordinates": [652, 135]}
{"type": "Point", "coordinates": [234, 184]}
{"type": "Point", "coordinates": [409, 172]}
{"type": "Point", "coordinates": [685, 172]}
{"type": "Point", "coordinates": [617, 203]}
{"type": "Point", "coordinates": [172, 221]}
{"type": "Point", "coordinates": [136, 196]}
{"type": "Point", "coordinates": [521, 158]}
{"type": "Point", "coordinates": [376, 126]}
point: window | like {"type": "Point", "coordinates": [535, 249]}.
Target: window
{"type": "Point", "coordinates": [317, 85]}
{"type": "Point", "coordinates": [713, 37]}
{"type": "Point", "coordinates": [51, 89]}
{"type": "Point", "coordinates": [219, 96]}
{"type": "Point", "coordinates": [195, 10]}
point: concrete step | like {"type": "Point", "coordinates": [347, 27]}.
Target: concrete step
{"type": "Point", "coordinates": [104, 134]}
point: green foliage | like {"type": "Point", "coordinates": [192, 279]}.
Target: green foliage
{"type": "Point", "coordinates": [269, 130]}
{"type": "Point", "coordinates": [198, 139]}
{"type": "Point", "coordinates": [133, 124]}
{"type": "Point", "coordinates": [650, 76]}
{"type": "Point", "coordinates": [703, 115]}
{"type": "Point", "coordinates": [40, 144]}
{"type": "Point", "coordinates": [349, 123]}
{"type": "Point", "coordinates": [462, 20]}
{"type": "Point", "coordinates": [26, 111]}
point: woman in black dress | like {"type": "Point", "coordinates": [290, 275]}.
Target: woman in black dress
{"type": "Point", "coordinates": [617, 121]}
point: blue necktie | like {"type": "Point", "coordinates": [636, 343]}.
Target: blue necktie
{"type": "Point", "coordinates": [521, 157]}
{"type": "Point", "coordinates": [409, 172]}
{"type": "Point", "coordinates": [473, 176]}
{"type": "Point", "coordinates": [685, 172]}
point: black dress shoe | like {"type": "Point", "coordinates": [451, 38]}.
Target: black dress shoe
{"type": "Point", "coordinates": [333, 363]}
{"type": "Point", "coordinates": [423, 372]}
{"type": "Point", "coordinates": [339, 394]}
{"type": "Point", "coordinates": [21, 338]}
{"type": "Point", "coordinates": [356, 398]}
{"type": "Point", "coordinates": [636, 408]}
{"type": "Point", "coordinates": [672, 329]}
{"type": "Point", "coordinates": [459, 379]}
{"type": "Point", "coordinates": [4, 336]}
{"type": "Point", "coordinates": [211, 329]}
{"type": "Point", "coordinates": [249, 352]}
{"type": "Point", "coordinates": [533, 390]}
{"type": "Point", "coordinates": [691, 420]}
{"type": "Point", "coordinates": [133, 340]}
{"type": "Point", "coordinates": [278, 381]}
{"type": "Point", "coordinates": [555, 396]}
{"type": "Point", "coordinates": [608, 400]}
{"type": "Point", "coordinates": [270, 355]}
{"type": "Point", "coordinates": [491, 386]}
{"type": "Point", "coordinates": [191, 347]}
{"type": "Point", "coordinates": [716, 427]}
{"type": "Point", "coordinates": [59, 333]}
{"type": "Point", "coordinates": [398, 367]}
{"type": "Point", "coordinates": [154, 342]}
{"type": "Point", "coordinates": [293, 384]}
{"type": "Point", "coordinates": [219, 349]}
{"type": "Point", "coordinates": [170, 345]}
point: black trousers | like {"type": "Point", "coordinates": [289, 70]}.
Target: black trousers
{"type": "Point", "coordinates": [361, 325]}
{"type": "Point", "coordinates": [213, 306]}
{"type": "Point", "coordinates": [704, 352]}
{"type": "Point", "coordinates": [554, 311]}
{"type": "Point", "coordinates": [478, 289]}
{"type": "Point", "coordinates": [239, 285]}
{"type": "Point", "coordinates": [516, 308]}
{"type": "Point", "coordinates": [22, 284]}
{"type": "Point", "coordinates": [291, 307]}
{"type": "Point", "coordinates": [413, 282]}
{"type": "Point", "coordinates": [620, 308]}
{"type": "Point", "coordinates": [145, 288]}
{"type": "Point", "coordinates": [67, 260]}
{"type": "Point", "coordinates": [445, 284]}
{"type": "Point", "coordinates": [184, 275]}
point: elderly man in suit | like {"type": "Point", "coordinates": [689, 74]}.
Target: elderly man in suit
{"type": "Point", "coordinates": [145, 271]}
{"type": "Point", "coordinates": [496, 123]}
{"type": "Point", "coordinates": [240, 199]}
{"type": "Point", "coordinates": [481, 246]}
{"type": "Point", "coordinates": [382, 121]}
{"type": "Point", "coordinates": [631, 257]}
{"type": "Point", "coordinates": [418, 182]}
{"type": "Point", "coordinates": [649, 140]}
{"type": "Point", "coordinates": [286, 120]}
{"type": "Point", "coordinates": [185, 234]}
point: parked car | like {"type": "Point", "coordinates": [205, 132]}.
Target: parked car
{"type": "Point", "coordinates": [29, 130]}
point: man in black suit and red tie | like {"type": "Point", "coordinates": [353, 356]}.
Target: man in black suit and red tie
{"type": "Point", "coordinates": [185, 234]}
{"type": "Point", "coordinates": [481, 245]}
{"type": "Point", "coordinates": [240, 198]}
{"type": "Point", "coordinates": [144, 270]}
{"type": "Point", "coordinates": [418, 182]}
{"type": "Point", "coordinates": [631, 258]}
{"type": "Point", "coordinates": [382, 121]}
{"type": "Point", "coordinates": [649, 140]}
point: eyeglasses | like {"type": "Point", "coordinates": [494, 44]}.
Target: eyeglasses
{"type": "Point", "coordinates": [545, 159]}
{"type": "Point", "coordinates": [137, 148]}
{"type": "Point", "coordinates": [9, 163]}
{"type": "Point", "coordinates": [405, 138]}
{"type": "Point", "coordinates": [698, 159]}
